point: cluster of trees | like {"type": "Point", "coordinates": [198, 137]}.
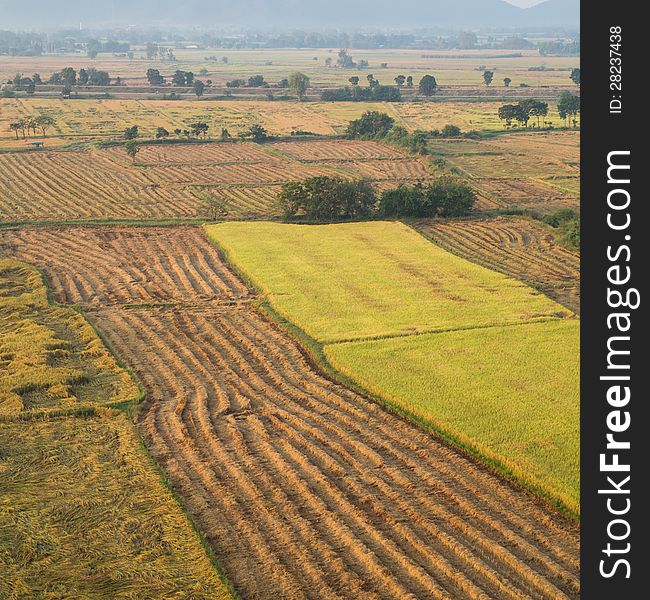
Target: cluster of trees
{"type": "Point", "coordinates": [523, 112]}
{"type": "Point", "coordinates": [446, 196]}
{"type": "Point", "coordinates": [330, 199]}
{"type": "Point", "coordinates": [375, 125]}
{"type": "Point", "coordinates": [69, 77]}
{"type": "Point", "coordinates": [30, 125]}
{"type": "Point", "coordinates": [179, 79]}
{"type": "Point", "coordinates": [327, 199]}
{"type": "Point", "coordinates": [568, 108]}
{"type": "Point", "coordinates": [154, 51]}
{"type": "Point", "coordinates": [375, 92]}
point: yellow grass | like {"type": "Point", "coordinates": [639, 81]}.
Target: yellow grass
{"type": "Point", "coordinates": [87, 120]}
{"type": "Point", "coordinates": [50, 357]}
{"type": "Point", "coordinates": [370, 280]}
{"type": "Point", "coordinates": [83, 514]}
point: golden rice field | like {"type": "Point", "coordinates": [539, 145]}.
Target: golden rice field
{"type": "Point", "coordinates": [184, 181]}
{"type": "Point", "coordinates": [91, 120]}
{"type": "Point", "coordinates": [539, 171]}
{"type": "Point", "coordinates": [50, 357]}
{"type": "Point", "coordinates": [443, 325]}
{"type": "Point", "coordinates": [519, 248]}
{"type": "Point", "coordinates": [372, 280]}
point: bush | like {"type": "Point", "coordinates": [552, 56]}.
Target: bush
{"type": "Point", "coordinates": [327, 199]}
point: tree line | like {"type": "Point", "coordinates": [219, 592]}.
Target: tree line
{"type": "Point", "coordinates": [330, 199]}
{"type": "Point", "coordinates": [568, 108]}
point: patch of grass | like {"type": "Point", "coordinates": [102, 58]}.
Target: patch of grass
{"type": "Point", "coordinates": [509, 393]}
{"type": "Point", "coordinates": [373, 280]}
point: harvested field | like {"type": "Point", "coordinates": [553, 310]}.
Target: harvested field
{"type": "Point", "coordinates": [516, 247]}
{"type": "Point", "coordinates": [336, 150]}
{"type": "Point", "coordinates": [194, 154]}
{"type": "Point", "coordinates": [120, 265]}
{"type": "Point", "coordinates": [187, 181]}
{"type": "Point", "coordinates": [303, 488]}
{"type": "Point", "coordinates": [84, 514]}
{"type": "Point", "coordinates": [79, 185]}
{"type": "Point", "coordinates": [526, 193]}
{"type": "Point", "coordinates": [538, 171]}
{"type": "Point", "coordinates": [240, 201]}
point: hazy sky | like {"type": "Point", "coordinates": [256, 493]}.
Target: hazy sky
{"type": "Point", "coordinates": [524, 3]}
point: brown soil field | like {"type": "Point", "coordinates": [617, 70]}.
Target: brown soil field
{"type": "Point", "coordinates": [515, 247]}
{"type": "Point", "coordinates": [182, 180]}
{"type": "Point", "coordinates": [303, 488]}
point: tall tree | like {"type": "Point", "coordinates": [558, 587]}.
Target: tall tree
{"type": "Point", "coordinates": [132, 148]}
{"type": "Point", "coordinates": [299, 83]}
{"type": "Point", "coordinates": [488, 76]}
{"type": "Point", "coordinates": [428, 85]}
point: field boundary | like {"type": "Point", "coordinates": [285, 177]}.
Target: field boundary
{"type": "Point", "coordinates": [314, 353]}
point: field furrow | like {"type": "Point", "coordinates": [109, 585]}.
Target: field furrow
{"type": "Point", "coordinates": [303, 488]}
{"type": "Point", "coordinates": [515, 247]}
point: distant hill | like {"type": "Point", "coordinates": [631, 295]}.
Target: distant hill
{"type": "Point", "coordinates": [26, 14]}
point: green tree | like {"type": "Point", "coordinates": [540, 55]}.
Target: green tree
{"type": "Point", "coordinates": [132, 148]}
{"type": "Point", "coordinates": [400, 80]}
{"type": "Point", "coordinates": [131, 133]}
{"type": "Point", "coordinates": [255, 132]}
{"type": "Point", "coordinates": [451, 196]}
{"type": "Point", "coordinates": [299, 83]}
{"type": "Point", "coordinates": [488, 76]}
{"type": "Point", "coordinates": [372, 124]}
{"type": "Point", "coordinates": [199, 88]}
{"type": "Point", "coordinates": [507, 81]}
{"type": "Point", "coordinates": [575, 76]}
{"type": "Point", "coordinates": [68, 77]}
{"type": "Point", "coordinates": [161, 133]}
{"type": "Point", "coordinates": [44, 122]}
{"type": "Point", "coordinates": [428, 85]}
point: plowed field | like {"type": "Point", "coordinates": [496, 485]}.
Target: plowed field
{"type": "Point", "coordinates": [303, 488]}
{"type": "Point", "coordinates": [515, 247]}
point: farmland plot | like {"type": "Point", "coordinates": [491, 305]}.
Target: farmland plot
{"type": "Point", "coordinates": [516, 247]}
{"type": "Point", "coordinates": [303, 488]}
{"type": "Point", "coordinates": [538, 171]}
{"type": "Point", "coordinates": [188, 181]}
{"type": "Point", "coordinates": [83, 513]}
{"type": "Point", "coordinates": [358, 286]}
